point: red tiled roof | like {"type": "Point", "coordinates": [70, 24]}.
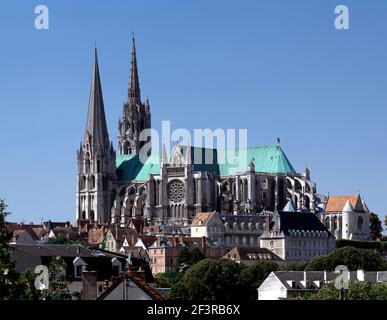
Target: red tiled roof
{"type": "Point", "coordinates": [140, 282]}
{"type": "Point", "coordinates": [337, 203]}
{"type": "Point", "coordinates": [202, 218]}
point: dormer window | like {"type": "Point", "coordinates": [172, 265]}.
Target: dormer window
{"type": "Point", "coordinates": [116, 267]}
{"type": "Point", "coordinates": [79, 265]}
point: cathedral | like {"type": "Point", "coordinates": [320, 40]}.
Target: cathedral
{"type": "Point", "coordinates": [116, 187]}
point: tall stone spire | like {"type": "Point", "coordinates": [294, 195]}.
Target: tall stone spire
{"type": "Point", "coordinates": [136, 115]}
{"type": "Point", "coordinates": [95, 160]}
{"type": "Point", "coordinates": [134, 85]}
{"type": "Point", "coordinates": [96, 133]}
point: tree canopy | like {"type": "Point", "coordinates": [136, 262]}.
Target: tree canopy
{"type": "Point", "coordinates": [356, 291]}
{"type": "Point", "coordinates": [352, 258]}
{"type": "Point", "coordinates": [188, 258]}
{"type": "Point", "coordinates": [13, 285]}
{"type": "Point", "coordinates": [376, 228]}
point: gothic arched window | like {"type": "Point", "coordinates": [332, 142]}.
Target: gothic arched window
{"type": "Point", "coordinates": [92, 182]}
{"type": "Point", "coordinates": [98, 166]}
{"type": "Point", "coordinates": [83, 183]}
{"type": "Point", "coordinates": [335, 223]}
{"type": "Point", "coordinates": [327, 222]}
{"type": "Point", "coordinates": [360, 223]}
{"type": "Point", "coordinates": [87, 165]}
{"type": "Point", "coordinates": [92, 216]}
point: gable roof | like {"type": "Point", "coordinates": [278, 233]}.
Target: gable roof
{"type": "Point", "coordinates": [337, 203]}
{"type": "Point", "coordinates": [68, 232]}
{"type": "Point", "coordinates": [49, 250]}
{"type": "Point", "coordinates": [251, 254]}
{"type": "Point", "coordinates": [139, 281]}
{"type": "Point", "coordinates": [147, 240]}
{"type": "Point", "coordinates": [300, 221]}
{"type": "Point", "coordinates": [202, 218]}
{"type": "Point", "coordinates": [266, 159]}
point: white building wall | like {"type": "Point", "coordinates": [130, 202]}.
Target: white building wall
{"type": "Point", "coordinates": [272, 289]}
{"type": "Point", "coordinates": [199, 231]}
{"type": "Point", "coordinates": [133, 291]}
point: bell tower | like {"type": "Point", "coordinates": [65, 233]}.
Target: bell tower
{"type": "Point", "coordinates": [136, 115]}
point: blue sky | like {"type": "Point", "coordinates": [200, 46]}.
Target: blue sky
{"type": "Point", "coordinates": [277, 68]}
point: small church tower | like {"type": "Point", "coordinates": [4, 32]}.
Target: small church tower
{"type": "Point", "coordinates": [136, 115]}
{"type": "Point", "coordinates": [96, 160]}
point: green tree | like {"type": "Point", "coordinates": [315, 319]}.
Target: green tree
{"type": "Point", "coordinates": [293, 266]}
{"type": "Point", "coordinates": [351, 257]}
{"type": "Point", "coordinates": [196, 255]}
{"type": "Point", "coordinates": [376, 228]}
{"type": "Point", "coordinates": [7, 267]}
{"type": "Point", "coordinates": [188, 258]}
{"type": "Point", "coordinates": [166, 280]}
{"type": "Point", "coordinates": [62, 239]}
{"type": "Point", "coordinates": [253, 276]}
{"type": "Point", "coordinates": [13, 285]}
{"type": "Point", "coordinates": [356, 291]}
{"type": "Point", "coordinates": [210, 280]}
{"type": "Point", "coordinates": [57, 289]}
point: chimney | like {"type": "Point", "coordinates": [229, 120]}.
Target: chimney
{"type": "Point", "coordinates": [360, 275]}
{"type": "Point", "coordinates": [89, 282]}
{"type": "Point", "coordinates": [203, 242]}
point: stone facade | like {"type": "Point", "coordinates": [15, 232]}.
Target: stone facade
{"type": "Point", "coordinates": [297, 236]}
{"type": "Point", "coordinates": [347, 217]}
{"type": "Point", "coordinates": [173, 188]}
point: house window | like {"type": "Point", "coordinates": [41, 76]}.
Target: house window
{"type": "Point", "coordinates": [116, 267]}
{"type": "Point", "coordinates": [78, 271]}
{"type": "Point", "coordinates": [78, 264]}
{"type": "Point", "coordinates": [116, 271]}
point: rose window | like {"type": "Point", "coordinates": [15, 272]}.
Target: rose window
{"type": "Point", "coordinates": [176, 191]}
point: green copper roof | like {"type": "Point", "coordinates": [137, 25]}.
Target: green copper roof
{"type": "Point", "coordinates": [129, 167]}
{"type": "Point", "coordinates": [201, 154]}
{"type": "Point", "coordinates": [268, 159]}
